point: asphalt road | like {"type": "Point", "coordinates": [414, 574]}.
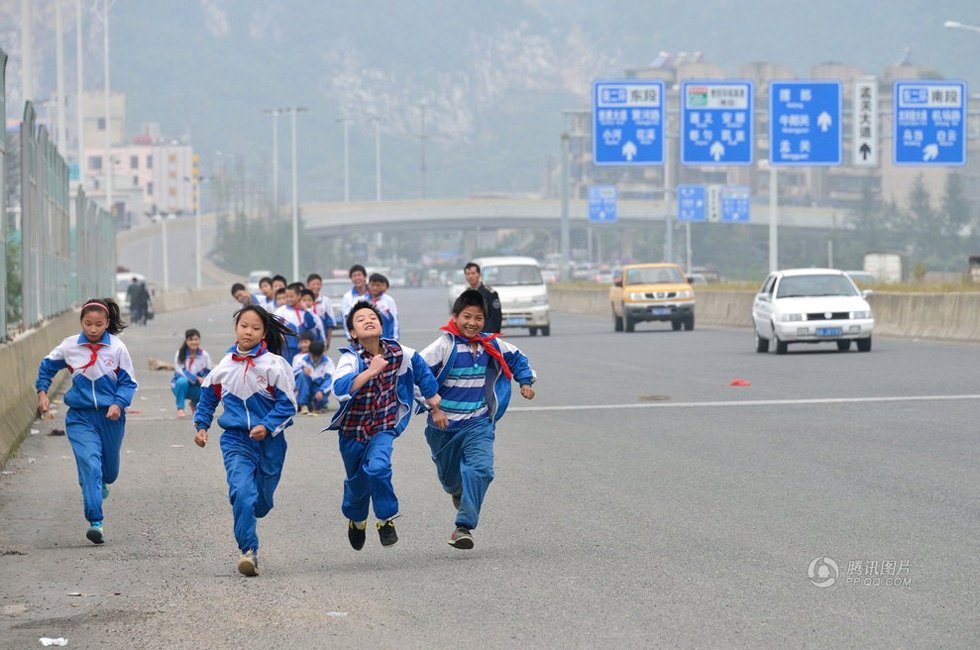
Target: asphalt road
{"type": "Point", "coordinates": [640, 500]}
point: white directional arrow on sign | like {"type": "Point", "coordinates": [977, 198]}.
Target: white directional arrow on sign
{"type": "Point", "coordinates": [629, 150]}
{"type": "Point", "coordinates": [930, 152]}
{"type": "Point", "coordinates": [824, 121]}
{"type": "Point", "coordinates": [717, 151]}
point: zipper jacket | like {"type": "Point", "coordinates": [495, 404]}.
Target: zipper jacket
{"type": "Point", "coordinates": [256, 387]}
{"type": "Point", "coordinates": [299, 320]}
{"type": "Point", "coordinates": [321, 373]}
{"type": "Point", "coordinates": [194, 367]}
{"type": "Point", "coordinates": [412, 372]}
{"type": "Point", "coordinates": [440, 355]}
{"type": "Point", "coordinates": [101, 373]}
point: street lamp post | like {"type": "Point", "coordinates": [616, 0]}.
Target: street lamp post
{"type": "Point", "coordinates": [293, 110]}
{"type": "Point", "coordinates": [108, 136]}
{"type": "Point", "coordinates": [275, 113]}
{"type": "Point", "coordinates": [79, 116]}
{"type": "Point", "coordinates": [377, 159]}
{"type": "Point", "coordinates": [346, 124]}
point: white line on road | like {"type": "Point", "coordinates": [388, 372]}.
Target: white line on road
{"type": "Point", "coordinates": [762, 402]}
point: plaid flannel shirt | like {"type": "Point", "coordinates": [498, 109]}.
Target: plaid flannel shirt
{"type": "Point", "coordinates": [375, 406]}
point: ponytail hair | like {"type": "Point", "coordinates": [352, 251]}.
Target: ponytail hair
{"type": "Point", "coordinates": [182, 355]}
{"type": "Point", "coordinates": [274, 328]}
{"type": "Point", "coordinates": [109, 308]}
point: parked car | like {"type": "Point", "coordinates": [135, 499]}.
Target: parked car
{"type": "Point", "coordinates": [253, 280]}
{"type": "Point", "coordinates": [651, 292]}
{"type": "Point", "coordinates": [457, 284]}
{"type": "Point", "coordinates": [522, 290]}
{"type": "Point", "coordinates": [811, 306]}
{"type": "Point", "coordinates": [335, 288]}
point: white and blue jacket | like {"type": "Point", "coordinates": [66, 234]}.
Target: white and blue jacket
{"type": "Point", "coordinates": [385, 304]}
{"type": "Point", "coordinates": [102, 372]}
{"type": "Point", "coordinates": [194, 367]}
{"type": "Point", "coordinates": [347, 303]}
{"type": "Point", "coordinates": [412, 372]}
{"type": "Point", "coordinates": [321, 373]}
{"type": "Point", "coordinates": [256, 387]}
{"type": "Point", "coordinates": [440, 355]}
{"type": "Point", "coordinates": [298, 320]}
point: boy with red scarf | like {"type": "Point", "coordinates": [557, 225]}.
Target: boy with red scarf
{"type": "Point", "coordinates": [474, 371]}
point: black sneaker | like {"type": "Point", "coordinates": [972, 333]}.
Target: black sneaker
{"type": "Point", "coordinates": [456, 500]}
{"type": "Point", "coordinates": [461, 538]}
{"type": "Point", "coordinates": [386, 531]}
{"type": "Point", "coordinates": [356, 535]}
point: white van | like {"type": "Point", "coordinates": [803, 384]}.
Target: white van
{"type": "Point", "coordinates": [523, 292]}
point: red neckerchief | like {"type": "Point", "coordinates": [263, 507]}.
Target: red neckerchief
{"type": "Point", "coordinates": [492, 350]}
{"type": "Point", "coordinates": [94, 347]}
{"type": "Point", "coordinates": [249, 359]}
{"type": "Point", "coordinates": [189, 359]}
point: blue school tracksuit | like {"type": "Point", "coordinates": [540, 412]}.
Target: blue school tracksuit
{"type": "Point", "coordinates": [298, 320]}
{"type": "Point", "coordinates": [390, 328]}
{"type": "Point", "coordinates": [102, 375]}
{"type": "Point", "coordinates": [256, 387]}
{"type": "Point", "coordinates": [186, 382]}
{"type": "Point", "coordinates": [368, 462]}
{"type": "Point", "coordinates": [319, 380]}
{"type": "Point", "coordinates": [475, 393]}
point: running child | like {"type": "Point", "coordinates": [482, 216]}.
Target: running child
{"type": "Point", "coordinates": [314, 374]}
{"type": "Point", "coordinates": [297, 319]}
{"type": "Point", "coordinates": [385, 304]}
{"type": "Point", "coordinates": [102, 387]}
{"type": "Point", "coordinates": [256, 387]}
{"type": "Point", "coordinates": [375, 382]}
{"type": "Point", "coordinates": [191, 364]}
{"type": "Point", "coordinates": [474, 370]}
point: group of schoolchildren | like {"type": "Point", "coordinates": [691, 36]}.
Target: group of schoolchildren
{"type": "Point", "coordinates": [462, 380]}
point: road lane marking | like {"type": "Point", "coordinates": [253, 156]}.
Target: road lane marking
{"type": "Point", "coordinates": [763, 402]}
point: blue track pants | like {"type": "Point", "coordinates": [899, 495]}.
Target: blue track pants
{"type": "Point", "coordinates": [184, 390]}
{"type": "Point", "coordinates": [96, 441]}
{"type": "Point", "coordinates": [368, 466]}
{"type": "Point", "coordinates": [253, 469]}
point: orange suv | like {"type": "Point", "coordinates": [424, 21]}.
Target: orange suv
{"type": "Point", "coordinates": [651, 292]}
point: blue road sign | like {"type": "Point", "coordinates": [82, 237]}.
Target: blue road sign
{"type": "Point", "coordinates": [627, 122]}
{"type": "Point", "coordinates": [717, 123]}
{"type": "Point", "coordinates": [930, 121]}
{"type": "Point", "coordinates": [736, 201]}
{"type": "Point", "coordinates": [691, 203]}
{"type": "Point", "coordinates": [602, 203]}
{"type": "Point", "coordinates": [805, 123]}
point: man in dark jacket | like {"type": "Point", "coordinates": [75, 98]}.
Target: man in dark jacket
{"type": "Point", "coordinates": [474, 278]}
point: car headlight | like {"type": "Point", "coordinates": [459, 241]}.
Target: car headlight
{"type": "Point", "coordinates": [860, 314]}
{"type": "Point", "coordinates": [683, 294]}
{"type": "Point", "coordinates": [539, 300]}
{"type": "Point", "coordinates": [638, 296]}
{"type": "Point", "coordinates": [791, 318]}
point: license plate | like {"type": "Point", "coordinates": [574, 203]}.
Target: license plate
{"type": "Point", "coordinates": [660, 311]}
{"type": "Point", "coordinates": [515, 321]}
{"type": "Point", "coordinates": [829, 331]}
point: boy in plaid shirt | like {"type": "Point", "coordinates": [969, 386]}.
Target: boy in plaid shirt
{"type": "Point", "coordinates": [375, 382]}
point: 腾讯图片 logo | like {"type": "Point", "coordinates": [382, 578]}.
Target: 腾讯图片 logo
{"type": "Point", "coordinates": [823, 572]}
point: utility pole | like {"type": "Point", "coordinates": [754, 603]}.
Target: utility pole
{"type": "Point", "coordinates": [346, 124]}
{"type": "Point", "coordinates": [275, 113]}
{"type": "Point", "coordinates": [59, 30]}
{"type": "Point", "coordinates": [292, 115]}
{"type": "Point", "coordinates": [422, 138]}
{"type": "Point", "coordinates": [108, 124]}
{"type": "Point", "coordinates": [79, 115]}
{"type": "Point", "coordinates": [377, 159]}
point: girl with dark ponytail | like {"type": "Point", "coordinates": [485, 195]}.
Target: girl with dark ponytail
{"type": "Point", "coordinates": [191, 365]}
{"type": "Point", "coordinates": [102, 387]}
{"type": "Point", "coordinates": [258, 391]}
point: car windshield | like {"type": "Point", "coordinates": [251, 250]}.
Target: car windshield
{"type": "Point", "coordinates": [512, 275]}
{"type": "Point", "coordinates": [335, 288]}
{"type": "Point", "coordinates": [663, 275]}
{"type": "Point", "coordinates": [798, 286]}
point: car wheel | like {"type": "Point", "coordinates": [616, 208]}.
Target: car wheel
{"type": "Point", "coordinates": [844, 345]}
{"type": "Point", "coordinates": [761, 344]}
{"type": "Point", "coordinates": [533, 331]}
{"type": "Point", "coordinates": [629, 323]}
{"type": "Point", "coordinates": [675, 324]}
{"type": "Point", "coordinates": [617, 323]}
{"type": "Point", "coordinates": [864, 345]}
{"type": "Point", "coordinates": [546, 330]}
{"type": "Point", "coordinates": [689, 323]}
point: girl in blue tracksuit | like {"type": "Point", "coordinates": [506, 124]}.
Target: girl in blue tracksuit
{"type": "Point", "coordinates": [374, 382]}
{"type": "Point", "coordinates": [474, 371]}
{"type": "Point", "coordinates": [256, 386]}
{"type": "Point", "coordinates": [102, 387]}
{"type": "Point", "coordinates": [191, 365]}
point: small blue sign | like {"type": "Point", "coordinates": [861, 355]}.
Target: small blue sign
{"type": "Point", "coordinates": [930, 122]}
{"type": "Point", "coordinates": [805, 123]}
{"type": "Point", "coordinates": [691, 203]}
{"type": "Point", "coordinates": [602, 203]}
{"type": "Point", "coordinates": [736, 202]}
{"type": "Point", "coordinates": [627, 122]}
{"type": "Point", "coordinates": [717, 124]}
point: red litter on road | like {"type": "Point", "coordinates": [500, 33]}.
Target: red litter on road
{"type": "Point", "coordinates": [740, 382]}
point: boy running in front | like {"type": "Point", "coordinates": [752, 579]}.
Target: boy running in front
{"type": "Point", "coordinates": [474, 371]}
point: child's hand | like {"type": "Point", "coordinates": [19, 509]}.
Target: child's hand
{"type": "Point", "coordinates": [319, 396]}
{"type": "Point", "coordinates": [258, 432]}
{"type": "Point", "coordinates": [527, 392]}
{"type": "Point", "coordinates": [114, 412]}
{"type": "Point", "coordinates": [378, 363]}
{"type": "Point", "coordinates": [308, 372]}
{"type": "Point", "coordinates": [42, 402]}
{"type": "Point", "coordinates": [439, 417]}
{"type": "Point", "coordinates": [201, 438]}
